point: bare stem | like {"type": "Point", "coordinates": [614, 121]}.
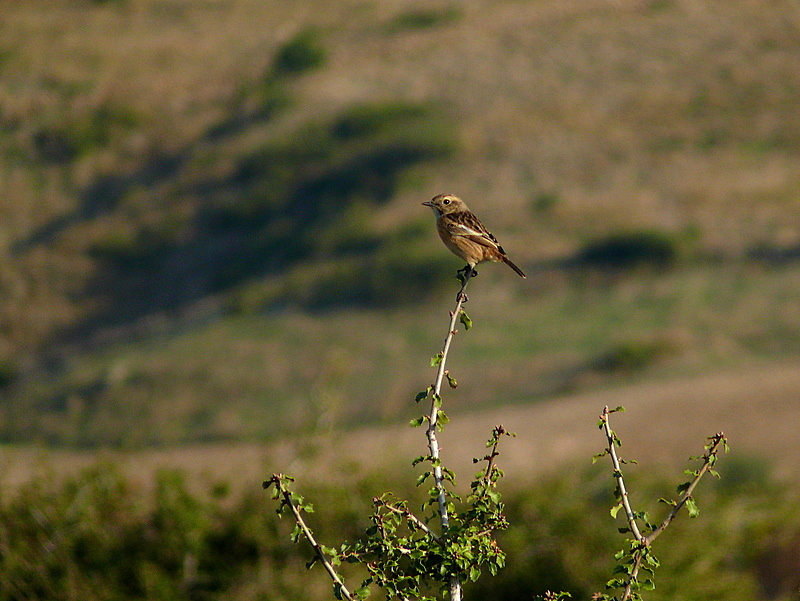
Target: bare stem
{"type": "Point", "coordinates": [277, 481]}
{"type": "Point", "coordinates": [433, 443]}
{"type": "Point", "coordinates": [612, 451]}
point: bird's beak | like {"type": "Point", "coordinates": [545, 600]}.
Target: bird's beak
{"type": "Point", "coordinates": [428, 203]}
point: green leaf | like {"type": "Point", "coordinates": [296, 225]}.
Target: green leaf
{"type": "Point", "coordinates": [422, 395]}
{"type": "Point", "coordinates": [451, 381]}
{"type": "Point", "coordinates": [465, 319]}
{"type": "Point", "coordinates": [362, 592]}
{"type": "Point", "coordinates": [418, 421]}
{"type": "Point", "coordinates": [692, 508]}
{"type": "Point", "coordinates": [615, 510]}
{"type": "Point", "coordinates": [296, 532]}
{"type": "Point", "coordinates": [436, 360]}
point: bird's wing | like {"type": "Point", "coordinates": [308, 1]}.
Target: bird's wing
{"type": "Point", "coordinates": [475, 232]}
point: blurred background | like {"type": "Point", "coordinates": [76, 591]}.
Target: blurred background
{"type": "Point", "coordinates": [215, 266]}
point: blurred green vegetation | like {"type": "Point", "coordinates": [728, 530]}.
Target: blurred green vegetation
{"type": "Point", "coordinates": [99, 536]}
{"type": "Point", "coordinates": [72, 137]}
{"type": "Point", "coordinates": [423, 19]}
{"type": "Point", "coordinates": [626, 250]}
{"type": "Point", "coordinates": [304, 52]}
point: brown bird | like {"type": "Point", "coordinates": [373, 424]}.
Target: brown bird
{"type": "Point", "coordinates": [464, 234]}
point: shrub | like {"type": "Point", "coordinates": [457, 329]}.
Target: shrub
{"type": "Point", "coordinates": [423, 19]}
{"type": "Point", "coordinates": [302, 53]}
{"type": "Point", "coordinates": [630, 249]}
{"type": "Point", "coordinates": [73, 137]}
{"type": "Point", "coordinates": [8, 372]}
{"type": "Point", "coordinates": [631, 356]}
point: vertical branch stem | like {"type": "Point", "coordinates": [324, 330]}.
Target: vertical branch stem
{"type": "Point", "coordinates": [623, 492]}
{"type": "Point", "coordinates": [433, 443]}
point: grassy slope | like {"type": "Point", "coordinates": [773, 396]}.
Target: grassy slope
{"type": "Point", "coordinates": [574, 120]}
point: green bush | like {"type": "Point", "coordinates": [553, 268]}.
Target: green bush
{"type": "Point", "coordinates": [8, 372]}
{"type": "Point", "coordinates": [631, 356]}
{"type": "Point", "coordinates": [302, 53]}
{"type": "Point", "coordinates": [98, 536]}
{"type": "Point", "coordinates": [73, 137]}
{"type": "Point", "coordinates": [630, 249]}
{"type": "Point", "coordinates": [424, 19]}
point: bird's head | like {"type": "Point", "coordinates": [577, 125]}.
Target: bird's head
{"type": "Point", "coordinates": [444, 204]}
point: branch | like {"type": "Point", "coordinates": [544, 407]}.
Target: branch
{"type": "Point", "coordinates": [613, 441]}
{"type": "Point", "coordinates": [410, 517]}
{"type": "Point", "coordinates": [709, 458]}
{"type": "Point", "coordinates": [490, 465]}
{"type": "Point", "coordinates": [277, 481]}
{"type": "Point", "coordinates": [433, 443]}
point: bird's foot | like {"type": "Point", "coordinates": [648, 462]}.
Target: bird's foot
{"type": "Point", "coordinates": [465, 273]}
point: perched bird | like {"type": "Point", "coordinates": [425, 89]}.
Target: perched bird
{"type": "Point", "coordinates": [464, 234]}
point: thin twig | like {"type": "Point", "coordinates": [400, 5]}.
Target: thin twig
{"type": "Point", "coordinates": [718, 440]}
{"type": "Point", "coordinates": [612, 451]}
{"type": "Point", "coordinates": [413, 519]}
{"type": "Point", "coordinates": [277, 481]}
{"type": "Point", "coordinates": [487, 476]}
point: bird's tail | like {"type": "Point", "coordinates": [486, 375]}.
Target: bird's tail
{"type": "Point", "coordinates": [508, 262]}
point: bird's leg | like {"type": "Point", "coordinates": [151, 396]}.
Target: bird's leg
{"type": "Point", "coordinates": [464, 274]}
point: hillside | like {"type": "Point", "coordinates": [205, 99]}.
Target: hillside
{"type": "Point", "coordinates": [211, 220]}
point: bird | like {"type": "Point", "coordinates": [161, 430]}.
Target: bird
{"type": "Point", "coordinates": [464, 234]}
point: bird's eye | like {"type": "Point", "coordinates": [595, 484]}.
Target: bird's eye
{"type": "Point", "coordinates": [446, 201]}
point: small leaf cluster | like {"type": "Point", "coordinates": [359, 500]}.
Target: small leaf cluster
{"type": "Point", "coordinates": [407, 559]}
{"type": "Point", "coordinates": [441, 417]}
{"type": "Point", "coordinates": [288, 498]}
{"type": "Point", "coordinates": [631, 561]}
